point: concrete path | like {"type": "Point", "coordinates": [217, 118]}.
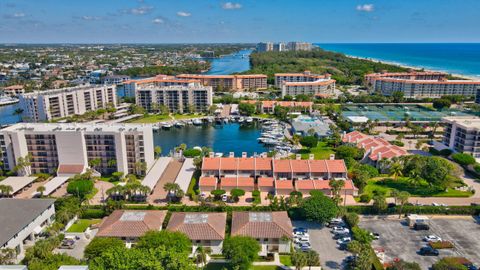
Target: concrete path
{"type": "Point", "coordinates": [184, 177]}
{"type": "Point", "coordinates": [159, 195]}
{"type": "Point", "coordinates": [101, 195]}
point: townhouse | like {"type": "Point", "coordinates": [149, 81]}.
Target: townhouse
{"type": "Point", "coordinates": [60, 148]}
{"type": "Point", "coordinates": [204, 229]}
{"type": "Point", "coordinates": [276, 176]}
{"type": "Point", "coordinates": [50, 104]}
{"type": "Point", "coordinates": [376, 148]}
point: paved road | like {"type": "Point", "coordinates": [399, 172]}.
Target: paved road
{"type": "Point", "coordinates": [159, 195]}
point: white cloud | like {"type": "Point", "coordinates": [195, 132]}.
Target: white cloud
{"type": "Point", "coordinates": [230, 5]}
{"type": "Point", "coordinates": [90, 18]}
{"type": "Point", "coordinates": [365, 7]}
{"type": "Point", "coordinates": [184, 14]}
{"type": "Point", "coordinates": [158, 21]}
{"type": "Point", "coordinates": [142, 10]}
{"type": "Point", "coordinates": [18, 15]}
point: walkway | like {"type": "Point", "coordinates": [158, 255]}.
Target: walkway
{"type": "Point", "coordinates": [101, 195]}
{"type": "Point", "coordinates": [185, 175]}
{"type": "Point", "coordinates": [154, 174]}
{"type": "Point", "coordinates": [159, 195]}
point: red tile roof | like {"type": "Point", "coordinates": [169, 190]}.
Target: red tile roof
{"type": "Point", "coordinates": [246, 164]}
{"type": "Point", "coordinates": [265, 182]}
{"type": "Point", "coordinates": [299, 166]}
{"type": "Point", "coordinates": [284, 184]}
{"type": "Point", "coordinates": [282, 166]}
{"type": "Point", "coordinates": [228, 164]}
{"type": "Point", "coordinates": [70, 169]}
{"type": "Point", "coordinates": [318, 166]}
{"type": "Point", "coordinates": [210, 164]}
{"type": "Point", "coordinates": [207, 182]}
{"type": "Point", "coordinates": [245, 182]}
{"type": "Point", "coordinates": [336, 166]}
{"type": "Point", "coordinates": [374, 146]}
{"type": "Point", "coordinates": [131, 223]}
{"type": "Point", "coordinates": [228, 182]}
{"type": "Point", "coordinates": [198, 225]}
{"type": "Point", "coordinates": [263, 164]}
{"type": "Point", "coordinates": [261, 224]}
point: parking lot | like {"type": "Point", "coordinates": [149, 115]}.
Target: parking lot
{"type": "Point", "coordinates": [322, 242]}
{"type": "Point", "coordinates": [399, 241]}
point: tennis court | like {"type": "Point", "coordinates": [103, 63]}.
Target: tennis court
{"type": "Point", "coordinates": [395, 113]}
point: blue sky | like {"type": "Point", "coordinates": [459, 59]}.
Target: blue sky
{"type": "Point", "coordinates": [174, 21]}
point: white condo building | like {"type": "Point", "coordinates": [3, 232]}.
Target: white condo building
{"type": "Point", "coordinates": [46, 105]}
{"type": "Point", "coordinates": [178, 98]}
{"type": "Point", "coordinates": [462, 134]}
{"type": "Point", "coordinates": [68, 148]}
{"type": "Point", "coordinates": [305, 83]}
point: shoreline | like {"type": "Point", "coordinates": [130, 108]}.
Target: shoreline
{"type": "Point", "coordinates": [463, 76]}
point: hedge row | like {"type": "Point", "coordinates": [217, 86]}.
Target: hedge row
{"type": "Point", "coordinates": [295, 213]}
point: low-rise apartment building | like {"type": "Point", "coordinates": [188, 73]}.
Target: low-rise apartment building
{"type": "Point", "coordinates": [53, 148]}
{"type": "Point", "coordinates": [272, 230]}
{"type": "Point", "coordinates": [204, 229]}
{"type": "Point", "coordinates": [421, 85]}
{"type": "Point", "coordinates": [23, 220]}
{"type": "Point", "coordinates": [177, 98]}
{"type": "Point", "coordinates": [267, 174]}
{"type": "Point", "coordinates": [462, 134]}
{"type": "Point", "coordinates": [13, 90]}
{"type": "Point", "coordinates": [46, 105]}
{"type": "Point", "coordinates": [305, 76]}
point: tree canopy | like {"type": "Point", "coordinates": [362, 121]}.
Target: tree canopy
{"type": "Point", "coordinates": [241, 251]}
{"type": "Point", "coordinates": [175, 241]}
{"type": "Point", "coordinates": [318, 207]}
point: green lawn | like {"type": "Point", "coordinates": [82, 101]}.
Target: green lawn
{"type": "Point", "coordinates": [286, 260]}
{"type": "Point", "coordinates": [186, 116]}
{"type": "Point", "coordinates": [264, 115]}
{"type": "Point", "coordinates": [82, 224]}
{"type": "Point", "coordinates": [404, 184]}
{"type": "Point", "coordinates": [150, 119]}
{"type": "Point", "coordinates": [322, 151]}
{"type": "Point", "coordinates": [91, 194]}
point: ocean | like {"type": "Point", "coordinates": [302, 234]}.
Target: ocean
{"type": "Point", "coordinates": [455, 58]}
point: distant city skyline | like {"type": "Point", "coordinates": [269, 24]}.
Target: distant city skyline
{"type": "Point", "coordinates": [246, 21]}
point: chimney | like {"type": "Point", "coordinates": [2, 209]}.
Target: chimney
{"type": "Point", "coordinates": [244, 154]}
{"type": "Point", "coordinates": [332, 156]}
{"type": "Point", "coordinates": [379, 155]}
{"type": "Point", "coordinates": [372, 149]}
{"type": "Point", "coordinates": [311, 156]}
{"type": "Point", "coordinates": [298, 156]}
{"type": "Point", "coordinates": [255, 154]}
{"type": "Point", "coordinates": [231, 154]}
{"type": "Point", "coordinates": [211, 154]}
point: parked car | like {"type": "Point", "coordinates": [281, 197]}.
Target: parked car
{"type": "Point", "coordinates": [428, 251]}
{"type": "Point", "coordinates": [432, 238]}
{"type": "Point", "coordinates": [301, 234]}
{"type": "Point", "coordinates": [421, 227]}
{"type": "Point", "coordinates": [304, 246]}
{"type": "Point", "coordinates": [301, 240]}
{"type": "Point", "coordinates": [344, 240]}
{"type": "Point", "coordinates": [336, 222]}
{"type": "Point", "coordinates": [340, 235]}
{"type": "Point", "coordinates": [300, 229]}
{"type": "Point", "coordinates": [339, 230]}
{"type": "Point", "coordinates": [343, 246]}
{"type": "Point", "coordinates": [67, 244]}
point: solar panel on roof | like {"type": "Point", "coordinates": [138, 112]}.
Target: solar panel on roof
{"type": "Point", "coordinates": [260, 217]}
{"type": "Point", "coordinates": [195, 218]}
{"type": "Point", "coordinates": [133, 216]}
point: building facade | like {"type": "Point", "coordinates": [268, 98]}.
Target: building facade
{"type": "Point", "coordinates": [281, 46]}
{"type": "Point", "coordinates": [177, 98]}
{"type": "Point", "coordinates": [462, 134]}
{"type": "Point", "coordinates": [229, 82]}
{"type": "Point", "coordinates": [116, 147]}
{"type": "Point", "coordinates": [13, 90]}
{"type": "Point", "coordinates": [305, 76]}
{"type": "Point", "coordinates": [46, 105]}
{"type": "Point", "coordinates": [420, 85]}
{"type": "Point", "coordinates": [322, 88]}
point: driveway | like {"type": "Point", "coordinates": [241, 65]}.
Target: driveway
{"type": "Point", "coordinates": [79, 247]}
{"type": "Point", "coordinates": [322, 242]}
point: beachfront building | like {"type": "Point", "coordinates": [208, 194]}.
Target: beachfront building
{"type": "Point", "coordinates": [268, 106]}
{"type": "Point", "coordinates": [281, 46]}
{"type": "Point", "coordinates": [299, 46]}
{"type": "Point", "coordinates": [229, 82]}
{"type": "Point", "coordinates": [267, 174]}
{"type": "Point", "coordinates": [264, 47]}
{"type": "Point", "coordinates": [376, 148]}
{"type": "Point", "coordinates": [129, 225]}
{"type": "Point", "coordinates": [69, 148]}
{"type": "Point", "coordinates": [204, 229]}
{"type": "Point", "coordinates": [272, 230]}
{"type": "Point", "coordinates": [305, 83]}
{"type": "Point", "coordinates": [190, 98]}
{"type": "Point", "coordinates": [46, 105]}
{"type": "Point", "coordinates": [462, 134]}
{"type": "Point", "coordinates": [23, 220]}
{"type": "Point", "coordinates": [421, 85]}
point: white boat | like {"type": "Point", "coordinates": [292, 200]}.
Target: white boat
{"type": "Point", "coordinates": [249, 120]}
{"type": "Point", "coordinates": [218, 154]}
{"type": "Point", "coordinates": [189, 122]}
{"type": "Point", "coordinates": [210, 120]}
{"type": "Point", "coordinates": [241, 119]}
{"type": "Point", "coordinates": [197, 122]}
{"type": "Point", "coordinates": [6, 100]}
{"type": "Point", "coordinates": [167, 126]}
{"type": "Point", "coordinates": [179, 124]}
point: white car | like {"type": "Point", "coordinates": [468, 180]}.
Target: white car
{"type": "Point", "coordinates": [344, 240]}
{"type": "Point", "coordinates": [301, 234]}
{"type": "Point", "coordinates": [432, 238]}
{"type": "Point", "coordinates": [337, 230]}
{"type": "Point", "coordinates": [301, 240]}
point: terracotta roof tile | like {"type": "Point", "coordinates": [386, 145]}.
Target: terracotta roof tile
{"type": "Point", "coordinates": [198, 225]}
{"type": "Point", "coordinates": [299, 166]}
{"type": "Point", "coordinates": [282, 165]}
{"type": "Point", "coordinates": [265, 182]}
{"type": "Point", "coordinates": [70, 169]}
{"type": "Point", "coordinates": [131, 223]}
{"type": "Point", "coordinates": [228, 182]}
{"type": "Point", "coordinates": [207, 182]}
{"type": "Point", "coordinates": [245, 182]}
{"type": "Point", "coordinates": [210, 164]}
{"type": "Point", "coordinates": [228, 164]}
{"type": "Point", "coordinates": [284, 184]}
{"type": "Point", "coordinates": [261, 224]}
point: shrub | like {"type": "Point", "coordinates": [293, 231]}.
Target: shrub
{"type": "Point", "coordinates": [445, 152]}
{"type": "Point", "coordinates": [93, 214]}
{"type": "Point", "coordinates": [476, 167]}
{"type": "Point", "coordinates": [463, 159]}
{"type": "Point", "coordinates": [441, 244]}
{"type": "Point", "coordinates": [190, 153]}
{"type": "Point", "coordinates": [80, 188]}
{"type": "Point", "coordinates": [309, 141]}
{"type": "Point", "coordinates": [397, 143]}
{"type": "Point", "coordinates": [319, 208]}
{"type": "Point", "coordinates": [449, 263]}
{"type": "Point", "coordinates": [352, 219]}
{"type": "Point", "coordinates": [365, 198]}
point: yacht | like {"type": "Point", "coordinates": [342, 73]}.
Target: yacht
{"type": "Point", "coordinates": [166, 125]}
{"type": "Point", "coordinates": [249, 120]}
{"type": "Point", "coordinates": [197, 121]}
{"type": "Point", "coordinates": [179, 124]}
{"type": "Point", "coordinates": [6, 100]}
{"type": "Point", "coordinates": [241, 119]}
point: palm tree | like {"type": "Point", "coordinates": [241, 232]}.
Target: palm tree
{"type": "Point", "coordinates": [403, 199]}
{"type": "Point", "coordinates": [140, 167]}
{"type": "Point", "coordinates": [94, 162]}
{"type": "Point", "coordinates": [6, 190]}
{"type": "Point", "coordinates": [158, 151]}
{"type": "Point", "coordinates": [336, 186]}
{"type": "Point", "coordinates": [171, 188]}
{"type": "Point", "coordinates": [116, 191]}
{"type": "Point", "coordinates": [23, 165]}
{"type": "Point", "coordinates": [41, 190]}
{"type": "Point", "coordinates": [312, 258]}
{"type": "Point", "coordinates": [396, 169]}
{"type": "Point", "coordinates": [111, 163]}
{"type": "Point", "coordinates": [299, 259]}
{"type": "Point", "coordinates": [201, 254]}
